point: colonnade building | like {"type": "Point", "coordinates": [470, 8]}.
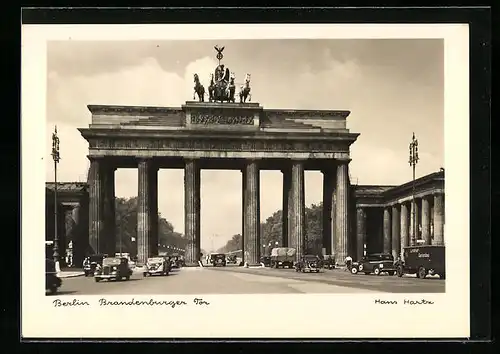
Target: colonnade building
{"type": "Point", "coordinates": [248, 138]}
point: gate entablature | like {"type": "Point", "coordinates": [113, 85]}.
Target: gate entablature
{"type": "Point", "coordinates": [218, 130]}
{"type": "Point", "coordinates": [203, 115]}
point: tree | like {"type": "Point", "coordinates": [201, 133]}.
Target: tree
{"type": "Point", "coordinates": [271, 231]}
{"type": "Point", "coordinates": [126, 228]}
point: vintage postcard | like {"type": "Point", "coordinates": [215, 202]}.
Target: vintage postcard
{"type": "Point", "coordinates": [257, 178]}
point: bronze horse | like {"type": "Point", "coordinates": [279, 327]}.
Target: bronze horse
{"type": "Point", "coordinates": [199, 89]}
{"type": "Point", "coordinates": [245, 90]}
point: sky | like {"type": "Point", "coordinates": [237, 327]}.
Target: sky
{"type": "Point", "coordinates": [393, 87]}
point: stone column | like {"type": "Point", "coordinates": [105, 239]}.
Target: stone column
{"type": "Point", "coordinates": [387, 231]}
{"type": "Point", "coordinates": [243, 189]}
{"type": "Point", "coordinates": [287, 183]}
{"type": "Point", "coordinates": [418, 234]}
{"type": "Point", "coordinates": [360, 232]}
{"type": "Point", "coordinates": [395, 232]}
{"type": "Point", "coordinates": [143, 212]}
{"type": "Point", "coordinates": [426, 221]}
{"type": "Point", "coordinates": [153, 209]}
{"type": "Point", "coordinates": [297, 204]}
{"type": "Point", "coordinates": [109, 217]}
{"type": "Point", "coordinates": [413, 223]}
{"type": "Point", "coordinates": [81, 229]}
{"type": "Point", "coordinates": [192, 211]}
{"type": "Point", "coordinates": [96, 224]}
{"type": "Point", "coordinates": [404, 227]}
{"type": "Point", "coordinates": [252, 213]}
{"type": "Point", "coordinates": [342, 213]}
{"type": "Point", "coordinates": [328, 190]}
{"type": "Point", "coordinates": [438, 219]}
{"type": "Point", "coordinates": [69, 231]}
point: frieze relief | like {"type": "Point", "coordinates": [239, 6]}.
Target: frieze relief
{"type": "Point", "coordinates": [221, 119]}
{"type": "Point", "coordinates": [216, 145]}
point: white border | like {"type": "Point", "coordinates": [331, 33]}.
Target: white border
{"type": "Point", "coordinates": [240, 316]}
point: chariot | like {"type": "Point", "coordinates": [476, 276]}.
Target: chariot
{"type": "Point", "coordinates": [222, 85]}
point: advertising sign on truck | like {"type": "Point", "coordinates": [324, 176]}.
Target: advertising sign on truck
{"type": "Point", "coordinates": [282, 257]}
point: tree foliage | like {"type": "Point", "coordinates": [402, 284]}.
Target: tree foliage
{"type": "Point", "coordinates": [271, 231]}
{"type": "Point", "coordinates": [126, 228]}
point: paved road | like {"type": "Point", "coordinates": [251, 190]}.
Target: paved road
{"type": "Point", "coordinates": [381, 283]}
{"type": "Point", "coordinates": [237, 280]}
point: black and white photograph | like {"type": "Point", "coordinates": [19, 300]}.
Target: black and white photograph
{"type": "Point", "coordinates": [206, 170]}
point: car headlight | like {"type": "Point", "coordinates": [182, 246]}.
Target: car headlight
{"type": "Point", "coordinates": [381, 266]}
{"type": "Point", "coordinates": [114, 268]}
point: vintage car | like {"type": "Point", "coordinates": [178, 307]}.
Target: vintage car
{"type": "Point", "coordinates": [52, 281]}
{"type": "Point", "coordinates": [231, 260]}
{"type": "Point", "coordinates": [176, 261]}
{"type": "Point", "coordinates": [157, 266]}
{"type": "Point", "coordinates": [266, 260]}
{"type": "Point", "coordinates": [376, 263]}
{"type": "Point", "coordinates": [116, 268]}
{"type": "Point", "coordinates": [90, 263]}
{"type": "Point", "coordinates": [329, 262]}
{"type": "Point", "coordinates": [422, 261]}
{"type": "Point", "coordinates": [308, 263]}
{"type": "Point", "coordinates": [218, 259]}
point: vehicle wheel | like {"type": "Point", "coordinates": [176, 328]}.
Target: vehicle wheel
{"type": "Point", "coordinates": [127, 277]}
{"type": "Point", "coordinates": [144, 274]}
{"type": "Point", "coordinates": [97, 280]}
{"type": "Point", "coordinates": [422, 272]}
{"type": "Point", "coordinates": [354, 270]}
{"type": "Point", "coordinates": [400, 271]}
{"type": "Point", "coordinates": [391, 273]}
{"type": "Point", "coordinates": [376, 271]}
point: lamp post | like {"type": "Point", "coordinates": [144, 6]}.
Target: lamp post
{"type": "Point", "coordinates": [413, 160]}
{"type": "Point", "coordinates": [56, 157]}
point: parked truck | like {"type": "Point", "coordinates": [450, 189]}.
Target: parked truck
{"type": "Point", "coordinates": [282, 257]}
{"type": "Point", "coordinates": [423, 260]}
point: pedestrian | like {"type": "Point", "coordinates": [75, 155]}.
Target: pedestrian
{"type": "Point", "coordinates": [348, 262]}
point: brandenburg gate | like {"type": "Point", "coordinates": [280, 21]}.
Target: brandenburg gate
{"type": "Point", "coordinates": [219, 134]}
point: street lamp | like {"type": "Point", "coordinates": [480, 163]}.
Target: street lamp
{"type": "Point", "coordinates": [413, 160]}
{"type": "Point", "coordinates": [56, 157]}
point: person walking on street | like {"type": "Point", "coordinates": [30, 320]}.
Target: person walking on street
{"type": "Point", "coordinates": [348, 262]}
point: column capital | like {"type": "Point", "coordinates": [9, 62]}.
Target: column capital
{"type": "Point", "coordinates": [343, 161]}
{"type": "Point", "coordinates": [95, 158]}
{"type": "Point", "coordinates": [143, 159]}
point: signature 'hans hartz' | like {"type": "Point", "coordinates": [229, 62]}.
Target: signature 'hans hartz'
{"type": "Point", "coordinates": [404, 302]}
